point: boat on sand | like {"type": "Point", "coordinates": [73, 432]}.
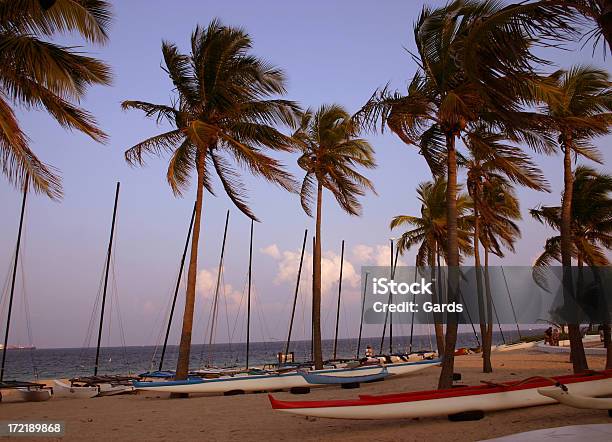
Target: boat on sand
{"type": "Point", "coordinates": [273, 380]}
{"type": "Point", "coordinates": [483, 398]}
{"type": "Point", "coordinates": [24, 391]}
{"type": "Point", "coordinates": [322, 379]}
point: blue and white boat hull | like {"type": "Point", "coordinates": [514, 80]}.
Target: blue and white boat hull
{"type": "Point", "coordinates": [275, 381]}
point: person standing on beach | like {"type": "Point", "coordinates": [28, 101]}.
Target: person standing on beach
{"type": "Point", "coordinates": [548, 336]}
{"type": "Point", "coordinates": [555, 337]}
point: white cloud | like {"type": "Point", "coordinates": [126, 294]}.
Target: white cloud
{"type": "Point", "coordinates": [206, 283]}
{"type": "Point", "coordinates": [288, 265]}
{"type": "Point", "coordinates": [378, 255]}
{"type": "Point", "coordinates": [271, 250]}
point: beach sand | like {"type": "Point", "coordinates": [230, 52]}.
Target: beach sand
{"type": "Point", "coordinates": [250, 417]}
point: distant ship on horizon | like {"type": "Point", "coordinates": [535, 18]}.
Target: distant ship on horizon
{"type": "Point", "coordinates": [18, 347]}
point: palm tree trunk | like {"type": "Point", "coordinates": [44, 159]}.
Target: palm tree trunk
{"type": "Point", "coordinates": [316, 292]}
{"type": "Point", "coordinates": [452, 253]}
{"type": "Point", "coordinates": [487, 339]}
{"type": "Point", "coordinates": [606, 21]}
{"type": "Point", "coordinates": [438, 326]}
{"type": "Point", "coordinates": [486, 359]}
{"type": "Point", "coordinates": [182, 368]}
{"type": "Point", "coordinates": [578, 357]}
{"type": "Point", "coordinates": [608, 345]}
{"type": "Point", "coordinates": [435, 298]}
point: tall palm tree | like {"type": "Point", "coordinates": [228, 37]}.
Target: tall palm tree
{"type": "Point", "coordinates": [38, 74]}
{"type": "Point", "coordinates": [331, 154]}
{"type": "Point", "coordinates": [580, 110]}
{"type": "Point", "coordinates": [222, 112]}
{"type": "Point", "coordinates": [591, 226]}
{"type": "Point", "coordinates": [489, 164]}
{"type": "Point", "coordinates": [429, 231]}
{"type": "Point", "coordinates": [443, 100]}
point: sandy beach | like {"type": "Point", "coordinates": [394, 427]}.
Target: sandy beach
{"type": "Point", "coordinates": [249, 417]}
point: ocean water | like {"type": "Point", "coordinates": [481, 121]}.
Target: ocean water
{"type": "Point", "coordinates": [70, 362]}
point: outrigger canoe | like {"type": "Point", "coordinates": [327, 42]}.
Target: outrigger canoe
{"type": "Point", "coordinates": [562, 395]}
{"type": "Point", "coordinates": [274, 381]}
{"type": "Point", "coordinates": [488, 397]}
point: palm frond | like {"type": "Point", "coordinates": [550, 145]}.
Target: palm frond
{"type": "Point", "coordinates": [90, 18]}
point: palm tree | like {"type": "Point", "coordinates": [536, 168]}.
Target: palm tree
{"type": "Point", "coordinates": [38, 74]}
{"type": "Point", "coordinates": [543, 21]}
{"type": "Point", "coordinates": [429, 231]}
{"type": "Point", "coordinates": [331, 153]}
{"type": "Point", "coordinates": [443, 100]}
{"type": "Point", "coordinates": [562, 19]}
{"type": "Point", "coordinates": [591, 226]}
{"type": "Point", "coordinates": [580, 110]}
{"type": "Point", "coordinates": [489, 165]}
{"type": "Point", "coordinates": [223, 112]}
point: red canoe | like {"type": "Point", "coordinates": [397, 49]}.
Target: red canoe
{"type": "Point", "coordinates": [517, 394]}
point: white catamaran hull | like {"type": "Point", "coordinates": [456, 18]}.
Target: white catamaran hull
{"type": "Point", "coordinates": [451, 405]}
{"type": "Point", "coordinates": [512, 347]}
{"type": "Point", "coordinates": [63, 390]}
{"type": "Point", "coordinates": [269, 382]}
{"type": "Point", "coordinates": [34, 395]}
{"type": "Point", "coordinates": [113, 390]}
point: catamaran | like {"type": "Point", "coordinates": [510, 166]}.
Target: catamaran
{"type": "Point", "coordinates": [25, 391]}
{"type": "Point", "coordinates": [87, 387]}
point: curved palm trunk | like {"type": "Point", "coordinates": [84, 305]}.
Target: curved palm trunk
{"type": "Point", "coordinates": [448, 364]}
{"type": "Point", "coordinates": [316, 292]}
{"type": "Point", "coordinates": [578, 357]}
{"type": "Point", "coordinates": [182, 367]}
{"type": "Point", "coordinates": [487, 338]}
{"type": "Point", "coordinates": [436, 298]}
{"type": "Point", "coordinates": [486, 356]}
{"type": "Point", "coordinates": [608, 344]}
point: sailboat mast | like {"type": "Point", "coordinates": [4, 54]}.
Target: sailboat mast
{"type": "Point", "coordinates": [10, 306]}
{"type": "Point", "coordinates": [339, 294]}
{"type": "Point", "coordinates": [387, 314]}
{"type": "Point", "coordinates": [176, 289]}
{"type": "Point", "coordinates": [416, 271]}
{"type": "Point", "coordinates": [393, 266]}
{"type": "Point", "coordinates": [297, 288]}
{"type": "Point", "coordinates": [365, 285]}
{"type": "Point", "coordinates": [248, 330]}
{"type": "Point", "coordinates": [108, 259]}
{"type": "Point", "coordinates": [215, 302]}
{"type": "Point", "coordinates": [314, 241]}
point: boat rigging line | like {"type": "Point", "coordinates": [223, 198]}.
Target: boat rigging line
{"type": "Point", "coordinates": [518, 329]}
{"type": "Point", "coordinates": [217, 286]}
{"type": "Point", "coordinates": [339, 294]}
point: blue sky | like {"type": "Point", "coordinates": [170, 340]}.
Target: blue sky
{"type": "Point", "coordinates": [332, 52]}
